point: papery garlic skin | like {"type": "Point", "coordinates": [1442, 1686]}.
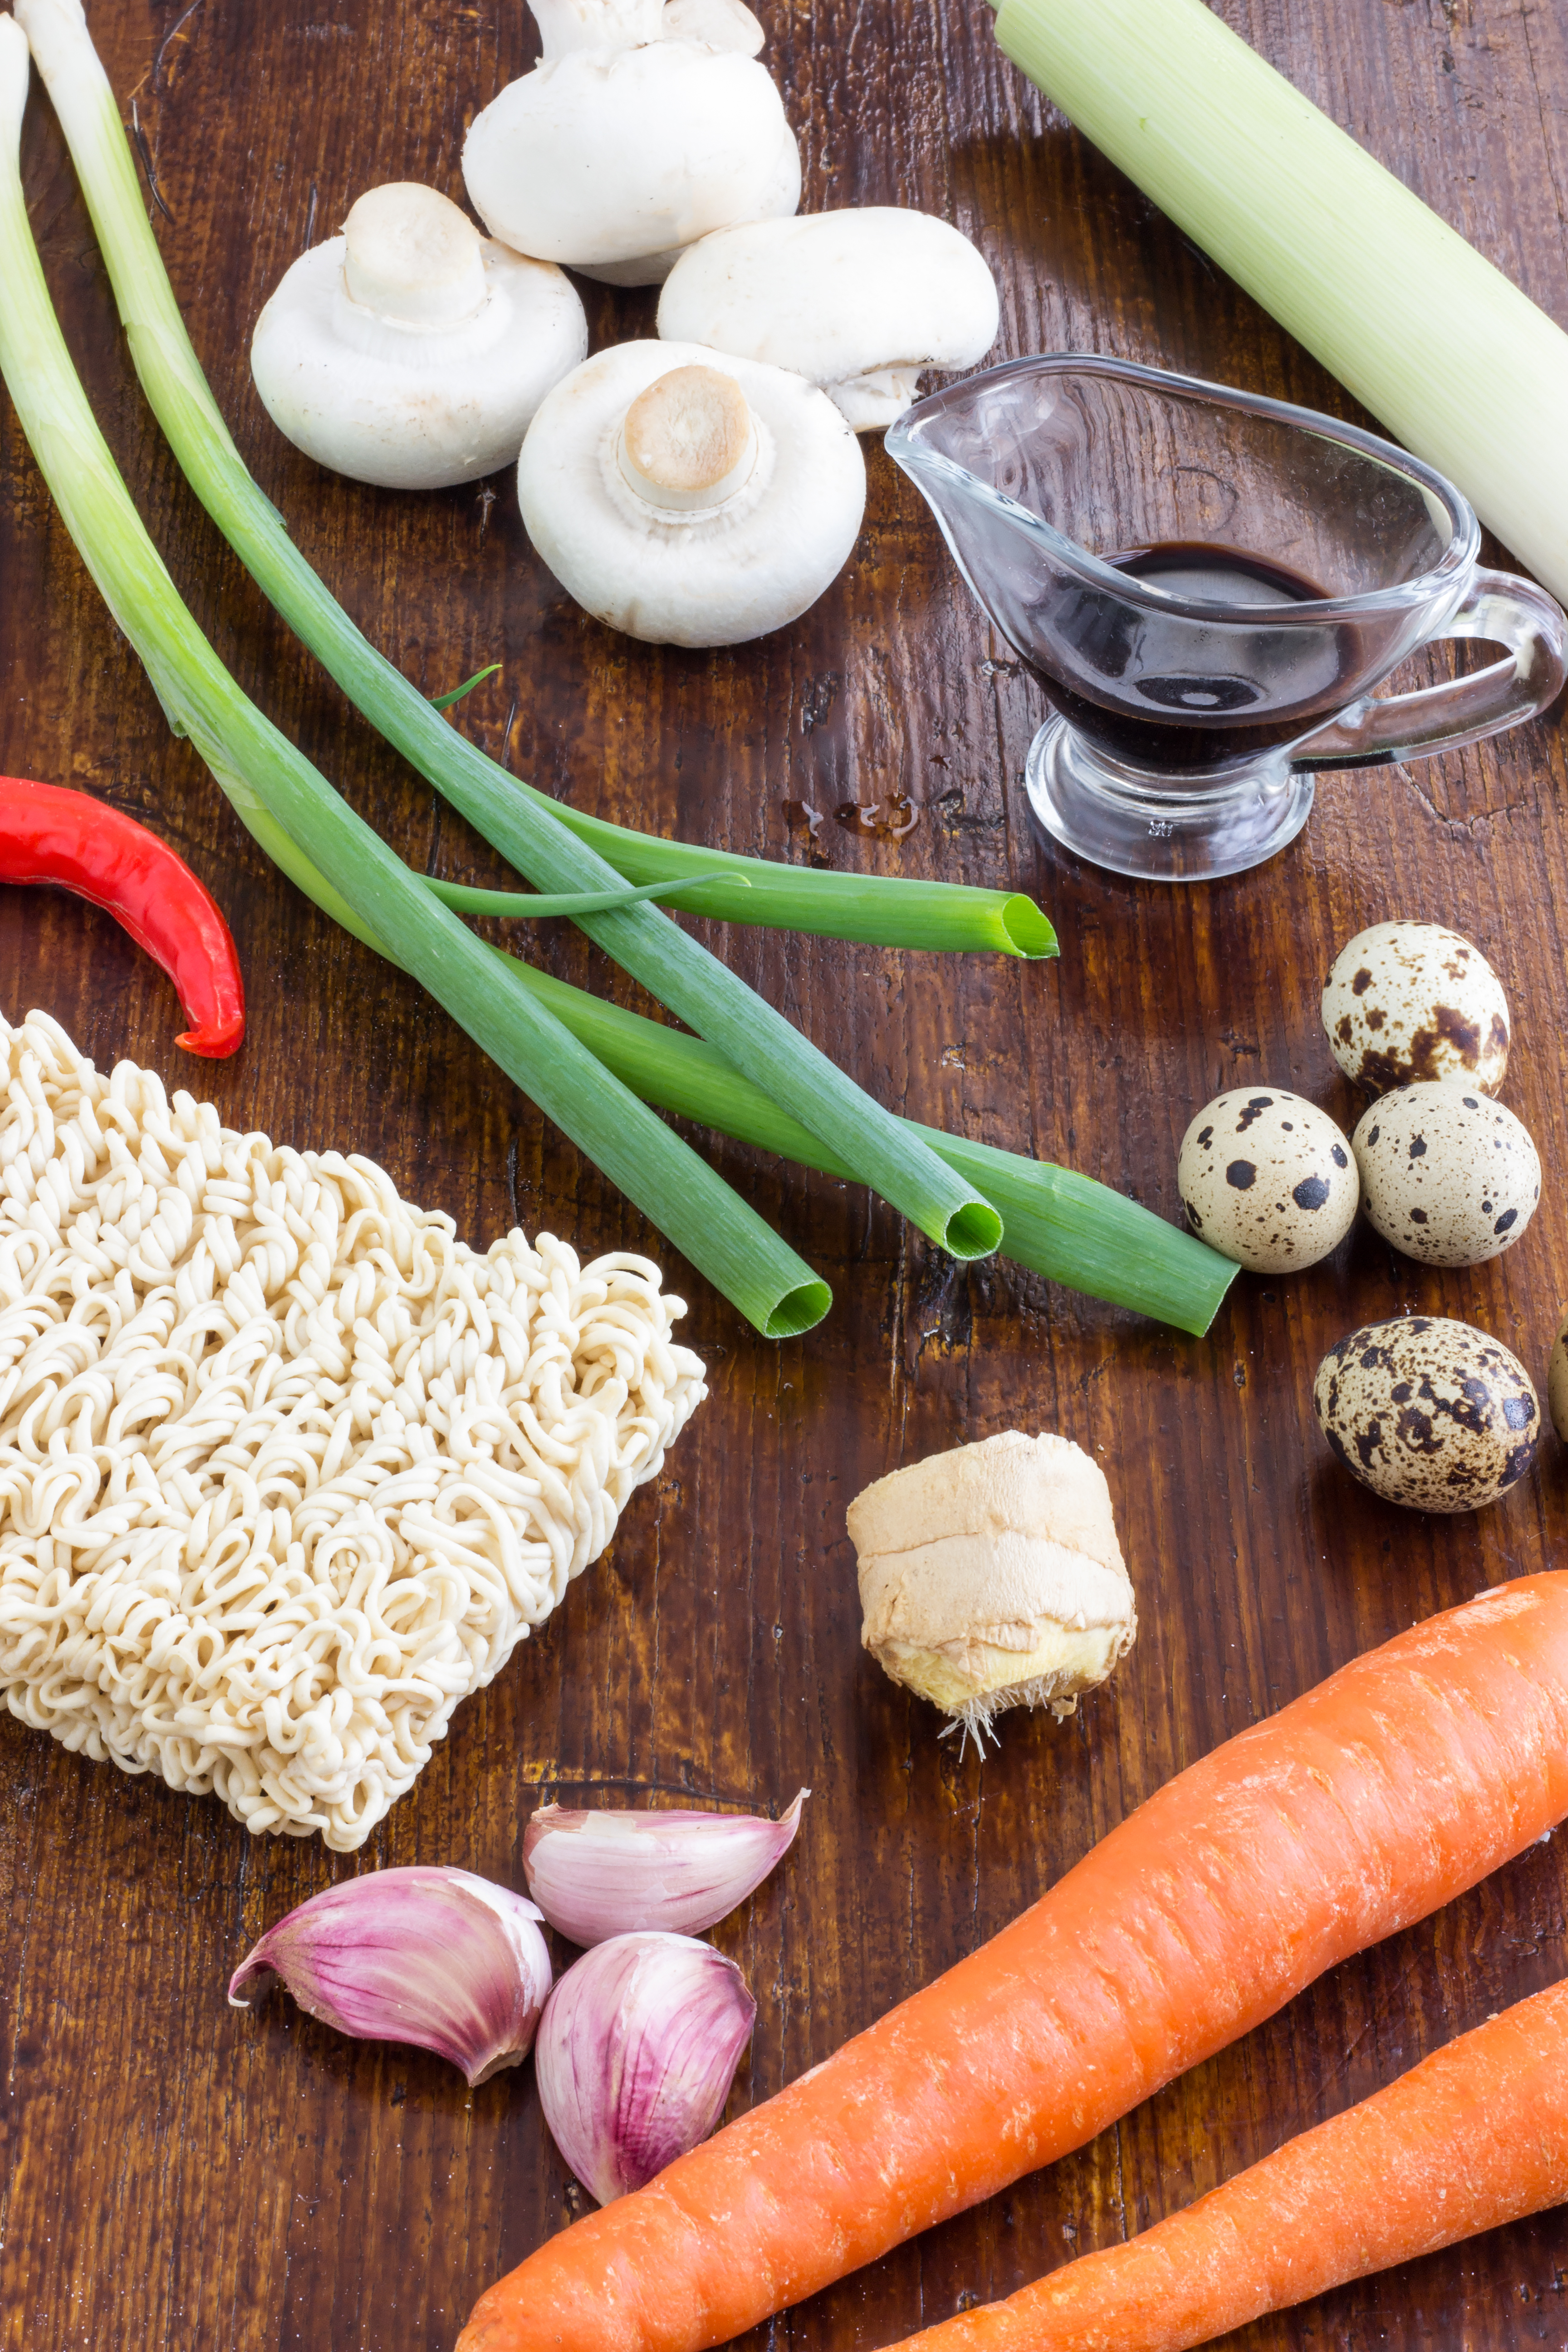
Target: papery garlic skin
{"type": "Point", "coordinates": [432, 1955]}
{"type": "Point", "coordinates": [596, 1875]}
{"type": "Point", "coordinates": [637, 2051]}
{"type": "Point", "coordinates": [991, 1577]}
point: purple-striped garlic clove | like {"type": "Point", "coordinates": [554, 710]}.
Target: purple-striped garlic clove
{"type": "Point", "coordinates": [436, 1956]}
{"type": "Point", "coordinates": [637, 2051]}
{"type": "Point", "coordinates": [596, 1875]}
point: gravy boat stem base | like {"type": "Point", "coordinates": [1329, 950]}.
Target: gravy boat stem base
{"type": "Point", "coordinates": [1122, 821]}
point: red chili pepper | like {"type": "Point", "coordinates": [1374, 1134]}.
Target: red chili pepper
{"type": "Point", "coordinates": [49, 834]}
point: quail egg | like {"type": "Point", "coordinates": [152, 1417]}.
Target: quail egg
{"type": "Point", "coordinates": [1266, 1179]}
{"type": "Point", "coordinates": [1557, 1381]}
{"type": "Point", "coordinates": [1428, 1413]}
{"type": "Point", "coordinates": [1446, 1174]}
{"type": "Point", "coordinates": [1412, 1001]}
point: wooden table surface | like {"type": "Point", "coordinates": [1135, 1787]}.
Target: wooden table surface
{"type": "Point", "coordinates": [181, 2175]}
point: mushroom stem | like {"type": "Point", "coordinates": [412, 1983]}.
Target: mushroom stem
{"type": "Point", "coordinates": [689, 441]}
{"type": "Point", "coordinates": [567, 25]}
{"type": "Point", "coordinates": [411, 254]}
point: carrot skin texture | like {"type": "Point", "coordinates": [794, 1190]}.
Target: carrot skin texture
{"type": "Point", "coordinates": [1474, 2137]}
{"type": "Point", "coordinates": [1402, 1780]}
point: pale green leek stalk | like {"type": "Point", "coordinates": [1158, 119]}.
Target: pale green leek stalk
{"type": "Point", "coordinates": [1459, 364]}
{"type": "Point", "coordinates": [524, 826]}
{"type": "Point", "coordinates": [313, 834]}
{"type": "Point", "coordinates": [1055, 1221]}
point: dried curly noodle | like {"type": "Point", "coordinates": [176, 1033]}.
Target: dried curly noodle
{"type": "Point", "coordinates": [286, 1470]}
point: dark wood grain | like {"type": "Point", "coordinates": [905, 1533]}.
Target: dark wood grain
{"type": "Point", "coordinates": [176, 2174]}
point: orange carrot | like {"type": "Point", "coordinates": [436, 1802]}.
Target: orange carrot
{"type": "Point", "coordinates": [1394, 1785]}
{"type": "Point", "coordinates": [1475, 2135]}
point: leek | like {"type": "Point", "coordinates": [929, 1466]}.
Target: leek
{"type": "Point", "coordinates": [1055, 1221]}
{"type": "Point", "coordinates": [1454, 359]}
{"type": "Point", "coordinates": [708, 996]}
{"type": "Point", "coordinates": [315, 837]}
{"type": "Point", "coordinates": [522, 825]}
{"type": "Point", "coordinates": [518, 819]}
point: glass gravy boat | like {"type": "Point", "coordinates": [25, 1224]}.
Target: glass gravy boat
{"type": "Point", "coordinates": [1209, 586]}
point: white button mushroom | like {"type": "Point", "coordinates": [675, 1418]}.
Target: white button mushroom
{"type": "Point", "coordinates": [859, 303]}
{"type": "Point", "coordinates": [689, 499]}
{"type": "Point", "coordinates": [411, 352]}
{"type": "Point", "coordinates": [639, 130]}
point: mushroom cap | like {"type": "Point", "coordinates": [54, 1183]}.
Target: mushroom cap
{"type": "Point", "coordinates": [858, 302]}
{"type": "Point", "coordinates": [708, 576]}
{"type": "Point", "coordinates": [405, 404]}
{"type": "Point", "coordinates": [614, 160]}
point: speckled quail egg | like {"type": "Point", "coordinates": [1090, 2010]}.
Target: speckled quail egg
{"type": "Point", "coordinates": [1412, 1001]}
{"type": "Point", "coordinates": [1557, 1381]}
{"type": "Point", "coordinates": [1266, 1179]}
{"type": "Point", "coordinates": [1428, 1413]}
{"type": "Point", "coordinates": [1446, 1174]}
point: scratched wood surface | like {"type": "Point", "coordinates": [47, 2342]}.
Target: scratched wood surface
{"type": "Point", "coordinates": [176, 2174]}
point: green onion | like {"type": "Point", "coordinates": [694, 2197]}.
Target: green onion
{"type": "Point", "coordinates": [884, 909]}
{"type": "Point", "coordinates": [314, 836]}
{"type": "Point", "coordinates": [455, 694]}
{"type": "Point", "coordinates": [535, 905]}
{"type": "Point", "coordinates": [1437, 343]}
{"type": "Point", "coordinates": [883, 1150]}
{"type": "Point", "coordinates": [1055, 1222]}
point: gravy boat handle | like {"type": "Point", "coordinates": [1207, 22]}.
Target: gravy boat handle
{"type": "Point", "coordinates": [1504, 611]}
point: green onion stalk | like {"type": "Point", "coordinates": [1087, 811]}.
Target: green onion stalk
{"type": "Point", "coordinates": [315, 837]}
{"type": "Point", "coordinates": [538, 906]}
{"type": "Point", "coordinates": [1055, 1221]}
{"type": "Point", "coordinates": [524, 825]}
{"type": "Point", "coordinates": [1438, 345]}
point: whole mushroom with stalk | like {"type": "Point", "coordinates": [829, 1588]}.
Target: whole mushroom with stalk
{"type": "Point", "coordinates": [858, 302]}
{"type": "Point", "coordinates": [645, 125]}
{"type": "Point", "coordinates": [410, 350]}
{"type": "Point", "coordinates": [689, 499]}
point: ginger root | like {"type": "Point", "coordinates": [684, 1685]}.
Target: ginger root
{"type": "Point", "coordinates": [991, 1577]}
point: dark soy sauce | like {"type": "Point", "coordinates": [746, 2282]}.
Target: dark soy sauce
{"type": "Point", "coordinates": [1161, 691]}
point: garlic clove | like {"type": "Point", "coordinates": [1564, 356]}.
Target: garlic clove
{"type": "Point", "coordinates": [637, 2051]}
{"type": "Point", "coordinates": [605, 1874]}
{"type": "Point", "coordinates": [436, 1956]}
